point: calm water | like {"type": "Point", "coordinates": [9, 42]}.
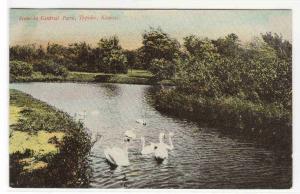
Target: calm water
{"type": "Point", "coordinates": [202, 157]}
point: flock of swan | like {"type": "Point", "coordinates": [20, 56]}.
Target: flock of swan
{"type": "Point", "coordinates": [118, 156]}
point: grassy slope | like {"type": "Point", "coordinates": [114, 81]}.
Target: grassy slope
{"type": "Point", "coordinates": [46, 146]}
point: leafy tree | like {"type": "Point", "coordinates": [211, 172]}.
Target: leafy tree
{"type": "Point", "coordinates": [50, 67]}
{"type": "Point", "coordinates": [162, 69]}
{"type": "Point", "coordinates": [58, 54]}
{"type": "Point", "coordinates": [158, 45]}
{"type": "Point", "coordinates": [23, 53]}
{"type": "Point", "coordinates": [196, 72]}
{"type": "Point", "coordinates": [228, 46]}
{"type": "Point", "coordinates": [112, 55]}
{"type": "Point", "coordinates": [56, 50]}
{"type": "Point", "coordinates": [282, 47]}
{"type": "Point", "coordinates": [81, 57]}
{"type": "Point", "coordinates": [131, 56]}
{"type": "Point", "coordinates": [20, 68]}
{"type": "Point", "coordinates": [200, 48]}
{"type": "Point", "coordinates": [40, 53]}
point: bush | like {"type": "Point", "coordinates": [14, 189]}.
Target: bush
{"type": "Point", "coordinates": [162, 69]}
{"type": "Point", "coordinates": [20, 68]}
{"type": "Point", "coordinates": [50, 67]}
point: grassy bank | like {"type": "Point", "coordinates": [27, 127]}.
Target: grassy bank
{"type": "Point", "coordinates": [47, 147]}
{"type": "Point", "coordinates": [132, 77]}
{"type": "Point", "coordinates": [266, 124]}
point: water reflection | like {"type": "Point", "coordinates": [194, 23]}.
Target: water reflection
{"type": "Point", "coordinates": [110, 90]}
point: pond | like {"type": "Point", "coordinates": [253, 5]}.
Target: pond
{"type": "Point", "coordinates": [202, 157]}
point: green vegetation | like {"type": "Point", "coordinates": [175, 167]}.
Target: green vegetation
{"type": "Point", "coordinates": [132, 77]}
{"type": "Point", "coordinates": [47, 147]}
{"type": "Point", "coordinates": [50, 67]}
{"type": "Point", "coordinates": [267, 124]}
{"type": "Point", "coordinates": [107, 57]}
{"type": "Point", "coordinates": [19, 68]}
{"type": "Point", "coordinates": [243, 89]}
{"type": "Point", "coordinates": [247, 86]}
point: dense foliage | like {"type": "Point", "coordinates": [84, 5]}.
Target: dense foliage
{"type": "Point", "coordinates": [19, 68]}
{"type": "Point", "coordinates": [246, 88]}
{"type": "Point", "coordinates": [50, 67]}
{"type": "Point", "coordinates": [113, 58]}
{"type": "Point", "coordinates": [253, 72]}
{"type": "Point", "coordinates": [107, 57]}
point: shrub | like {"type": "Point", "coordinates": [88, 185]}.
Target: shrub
{"type": "Point", "coordinates": [50, 67]}
{"type": "Point", "coordinates": [20, 68]}
{"type": "Point", "coordinates": [162, 69]}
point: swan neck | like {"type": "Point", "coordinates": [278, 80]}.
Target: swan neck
{"type": "Point", "coordinates": [126, 147]}
{"type": "Point", "coordinates": [143, 142]}
{"type": "Point", "coordinates": [161, 139]}
{"type": "Point", "coordinates": [170, 142]}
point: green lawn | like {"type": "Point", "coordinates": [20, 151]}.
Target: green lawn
{"type": "Point", "coordinates": [139, 73]}
{"type": "Point", "coordinates": [134, 76]}
{"type": "Point", "coordinates": [46, 146]}
{"type": "Point", "coordinates": [131, 73]}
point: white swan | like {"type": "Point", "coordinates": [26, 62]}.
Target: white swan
{"type": "Point", "coordinates": [130, 134]}
{"type": "Point", "coordinates": [141, 121]}
{"type": "Point", "coordinates": [118, 156]}
{"type": "Point", "coordinates": [146, 150]}
{"type": "Point", "coordinates": [161, 149]}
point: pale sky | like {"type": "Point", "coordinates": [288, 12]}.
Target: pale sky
{"type": "Point", "coordinates": [129, 25]}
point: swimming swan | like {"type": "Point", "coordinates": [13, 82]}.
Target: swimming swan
{"type": "Point", "coordinates": [141, 121]}
{"type": "Point", "coordinates": [118, 156]}
{"type": "Point", "coordinates": [146, 150]}
{"type": "Point", "coordinates": [161, 149]}
{"type": "Point", "coordinates": [130, 134]}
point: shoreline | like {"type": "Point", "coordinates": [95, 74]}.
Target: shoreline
{"type": "Point", "coordinates": [262, 124]}
{"type": "Point", "coordinates": [46, 155]}
{"type": "Point", "coordinates": [86, 77]}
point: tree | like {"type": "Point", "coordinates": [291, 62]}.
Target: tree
{"type": "Point", "coordinates": [158, 45]}
{"type": "Point", "coordinates": [40, 53]}
{"type": "Point", "coordinates": [50, 67]}
{"type": "Point", "coordinates": [267, 74]}
{"type": "Point", "coordinates": [58, 54]}
{"type": "Point", "coordinates": [162, 69]}
{"type": "Point", "coordinates": [196, 72]}
{"type": "Point", "coordinates": [23, 53]}
{"type": "Point", "coordinates": [81, 57]}
{"type": "Point", "coordinates": [283, 47]}
{"type": "Point", "coordinates": [228, 46]}
{"type": "Point", "coordinates": [113, 59]}
{"type": "Point", "coordinates": [131, 56]}
{"type": "Point", "coordinates": [200, 48]}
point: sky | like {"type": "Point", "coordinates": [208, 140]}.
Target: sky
{"type": "Point", "coordinates": [65, 26]}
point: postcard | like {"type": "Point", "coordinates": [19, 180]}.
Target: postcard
{"type": "Point", "coordinates": [150, 98]}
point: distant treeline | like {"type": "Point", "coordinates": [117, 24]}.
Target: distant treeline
{"type": "Point", "coordinates": [251, 82]}
{"type": "Point", "coordinates": [260, 70]}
